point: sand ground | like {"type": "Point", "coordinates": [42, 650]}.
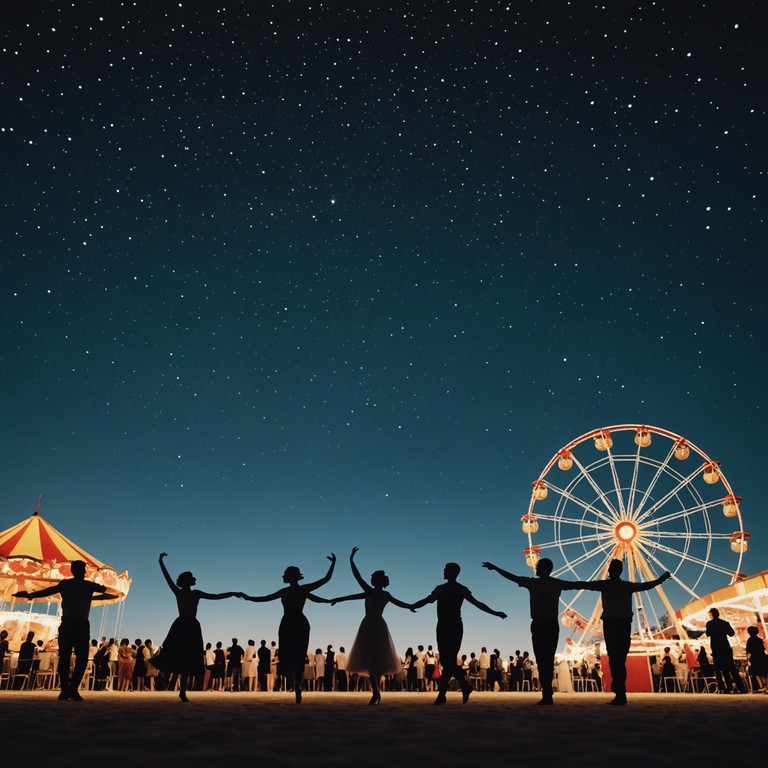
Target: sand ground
{"type": "Point", "coordinates": [341, 730]}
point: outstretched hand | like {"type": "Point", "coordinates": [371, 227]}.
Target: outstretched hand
{"type": "Point", "coordinates": [332, 557]}
{"type": "Point", "coordinates": [354, 552]}
{"type": "Point", "coordinates": [501, 614]}
{"type": "Point", "coordinates": [666, 575]}
{"type": "Point", "coordinates": [489, 566]}
{"type": "Point", "coordinates": [20, 594]}
{"type": "Point", "coordinates": [163, 554]}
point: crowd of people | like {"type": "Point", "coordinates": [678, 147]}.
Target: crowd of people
{"type": "Point", "coordinates": [183, 662]}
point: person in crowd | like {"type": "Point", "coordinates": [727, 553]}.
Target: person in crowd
{"type": "Point", "coordinates": [667, 671]}
{"type": "Point", "coordinates": [617, 621]}
{"type": "Point", "coordinates": [235, 655]}
{"type": "Point", "coordinates": [77, 594]}
{"type": "Point", "coordinates": [264, 660]}
{"type": "Point", "coordinates": [330, 668]}
{"type": "Point", "coordinates": [758, 660]}
{"type": "Point", "coordinates": [181, 656]}
{"type": "Point", "coordinates": [718, 631]}
{"type": "Point", "coordinates": [248, 672]}
{"type": "Point", "coordinates": [219, 667]}
{"type": "Point", "coordinates": [140, 665]}
{"type": "Point", "coordinates": [449, 597]}
{"type": "Point", "coordinates": [373, 651]}
{"type": "Point", "coordinates": [293, 633]}
{"type": "Point", "coordinates": [544, 599]}
{"type": "Point", "coordinates": [341, 670]}
{"type": "Point", "coordinates": [409, 665]}
{"type": "Point", "coordinates": [125, 657]}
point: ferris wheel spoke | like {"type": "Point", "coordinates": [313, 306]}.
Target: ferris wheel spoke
{"type": "Point", "coordinates": [690, 535]}
{"type": "Point", "coordinates": [584, 539]}
{"type": "Point", "coordinates": [660, 471]}
{"type": "Point", "coordinates": [658, 589]}
{"type": "Point", "coordinates": [633, 485]}
{"type": "Point", "coordinates": [667, 496]}
{"type": "Point", "coordinates": [583, 558]}
{"type": "Point", "coordinates": [650, 555]}
{"type": "Point", "coordinates": [610, 509]}
{"type": "Point", "coordinates": [577, 521]}
{"type": "Point", "coordinates": [616, 484]}
{"type": "Point", "coordinates": [693, 559]}
{"type": "Point", "coordinates": [686, 512]}
{"type": "Point", "coordinates": [586, 506]}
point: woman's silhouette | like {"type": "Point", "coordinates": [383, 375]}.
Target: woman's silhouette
{"type": "Point", "coordinates": [293, 633]}
{"type": "Point", "coordinates": [182, 655]}
{"type": "Point", "coordinates": [373, 650]}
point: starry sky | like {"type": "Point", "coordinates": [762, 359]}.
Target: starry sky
{"type": "Point", "coordinates": [280, 279]}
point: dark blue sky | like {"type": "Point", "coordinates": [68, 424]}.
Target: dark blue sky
{"type": "Point", "coordinates": [278, 280]}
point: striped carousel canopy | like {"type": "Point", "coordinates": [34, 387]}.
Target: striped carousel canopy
{"type": "Point", "coordinates": [34, 555]}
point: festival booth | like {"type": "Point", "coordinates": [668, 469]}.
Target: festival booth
{"type": "Point", "coordinates": [33, 556]}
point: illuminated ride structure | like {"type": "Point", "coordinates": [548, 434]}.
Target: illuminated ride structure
{"type": "Point", "coordinates": [34, 555]}
{"type": "Point", "coordinates": [654, 500]}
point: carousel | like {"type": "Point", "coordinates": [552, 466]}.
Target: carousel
{"type": "Point", "coordinates": [34, 555]}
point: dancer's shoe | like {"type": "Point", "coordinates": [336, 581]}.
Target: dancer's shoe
{"type": "Point", "coordinates": [376, 698]}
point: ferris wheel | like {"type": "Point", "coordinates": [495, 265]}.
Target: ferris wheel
{"type": "Point", "coordinates": [648, 497]}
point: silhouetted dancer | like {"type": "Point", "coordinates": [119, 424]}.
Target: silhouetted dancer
{"type": "Point", "coordinates": [617, 622]}
{"type": "Point", "coordinates": [544, 593]}
{"type": "Point", "coordinates": [293, 633]}
{"type": "Point", "coordinates": [75, 629]}
{"type": "Point", "coordinates": [450, 629]}
{"type": "Point", "coordinates": [718, 631]}
{"type": "Point", "coordinates": [372, 649]}
{"type": "Point", "coordinates": [182, 654]}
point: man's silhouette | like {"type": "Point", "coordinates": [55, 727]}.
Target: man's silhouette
{"type": "Point", "coordinates": [718, 631]}
{"type": "Point", "coordinates": [617, 622]}
{"type": "Point", "coordinates": [450, 630]}
{"type": "Point", "coordinates": [544, 594]}
{"type": "Point", "coordinates": [74, 630]}
{"type": "Point", "coordinates": [264, 657]}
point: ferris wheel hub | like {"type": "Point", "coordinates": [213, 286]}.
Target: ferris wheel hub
{"type": "Point", "coordinates": [626, 531]}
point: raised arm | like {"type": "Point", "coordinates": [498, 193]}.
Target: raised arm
{"type": "Point", "coordinates": [502, 572]}
{"type": "Point", "coordinates": [484, 607]}
{"type": "Point", "coordinates": [167, 575]}
{"type": "Point", "coordinates": [356, 572]}
{"type": "Point", "coordinates": [319, 583]}
{"type": "Point", "coordinates": [642, 587]}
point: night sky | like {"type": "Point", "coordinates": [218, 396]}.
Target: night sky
{"type": "Point", "coordinates": [282, 279]}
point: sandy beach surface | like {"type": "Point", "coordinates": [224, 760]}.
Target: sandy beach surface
{"type": "Point", "coordinates": [341, 730]}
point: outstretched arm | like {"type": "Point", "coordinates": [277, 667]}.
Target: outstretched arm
{"type": "Point", "coordinates": [105, 596]}
{"type": "Point", "coordinates": [261, 599]}
{"type": "Point", "coordinates": [484, 607]}
{"type": "Point", "coordinates": [355, 572]}
{"type": "Point", "coordinates": [401, 604]}
{"type": "Point", "coordinates": [344, 599]}
{"type": "Point", "coordinates": [319, 583]}
{"type": "Point", "coordinates": [167, 575]}
{"type": "Point", "coordinates": [424, 601]}
{"type": "Point", "coordinates": [218, 596]}
{"type": "Point", "coordinates": [651, 584]}
{"type": "Point", "coordinates": [502, 572]}
{"type": "Point", "coordinates": [40, 593]}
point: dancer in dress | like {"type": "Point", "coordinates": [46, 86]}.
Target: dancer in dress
{"type": "Point", "coordinates": [293, 633]}
{"type": "Point", "coordinates": [182, 655]}
{"type": "Point", "coordinates": [373, 650]}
